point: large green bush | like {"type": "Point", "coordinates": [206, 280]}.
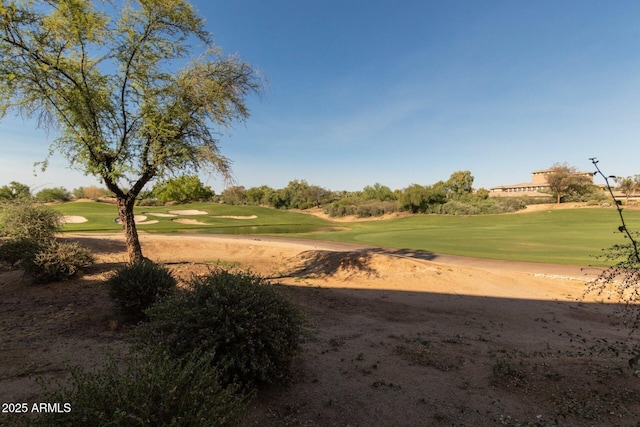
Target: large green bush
{"type": "Point", "coordinates": [55, 261]}
{"type": "Point", "coordinates": [29, 243]}
{"type": "Point", "coordinates": [136, 286]}
{"type": "Point", "coordinates": [252, 330]}
{"type": "Point", "coordinates": [25, 220]}
{"type": "Point", "coordinates": [148, 389]}
{"type": "Point", "coordinates": [57, 194]}
{"type": "Point", "coordinates": [182, 189]}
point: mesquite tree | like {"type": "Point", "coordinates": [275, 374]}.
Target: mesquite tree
{"type": "Point", "coordinates": [122, 88]}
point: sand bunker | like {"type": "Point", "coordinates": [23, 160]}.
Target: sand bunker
{"type": "Point", "coordinates": [189, 221]}
{"type": "Point", "coordinates": [140, 220]}
{"type": "Point", "coordinates": [73, 219]}
{"type": "Point", "coordinates": [235, 216]}
{"type": "Point", "coordinates": [188, 212]}
{"type": "Point", "coordinates": [161, 215]}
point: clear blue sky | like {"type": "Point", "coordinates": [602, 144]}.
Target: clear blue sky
{"type": "Point", "coordinates": [402, 92]}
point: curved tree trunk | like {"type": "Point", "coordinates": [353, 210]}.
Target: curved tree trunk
{"type": "Point", "coordinates": [125, 213]}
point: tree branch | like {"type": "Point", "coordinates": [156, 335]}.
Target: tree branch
{"type": "Point", "coordinates": [623, 228]}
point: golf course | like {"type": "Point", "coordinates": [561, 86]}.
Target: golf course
{"type": "Point", "coordinates": [573, 236]}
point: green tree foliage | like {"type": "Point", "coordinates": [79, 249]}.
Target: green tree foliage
{"type": "Point", "coordinates": [183, 189]}
{"type": "Point", "coordinates": [459, 184]}
{"type": "Point", "coordinates": [417, 198]}
{"type": "Point", "coordinates": [259, 195]}
{"type": "Point", "coordinates": [565, 180]}
{"type": "Point", "coordinates": [378, 192]}
{"type": "Point", "coordinates": [628, 185]}
{"type": "Point", "coordinates": [57, 194]}
{"type": "Point", "coordinates": [298, 194]}
{"type": "Point", "coordinates": [127, 96]}
{"type": "Point", "coordinates": [14, 191]}
{"type": "Point", "coordinates": [235, 195]}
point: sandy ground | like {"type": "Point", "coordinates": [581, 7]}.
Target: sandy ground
{"type": "Point", "coordinates": [394, 338]}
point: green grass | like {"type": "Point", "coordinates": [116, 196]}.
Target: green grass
{"type": "Point", "coordinates": [101, 218]}
{"type": "Point", "coordinates": [571, 236]}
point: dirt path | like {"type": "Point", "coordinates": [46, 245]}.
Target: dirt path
{"type": "Point", "coordinates": [394, 338]}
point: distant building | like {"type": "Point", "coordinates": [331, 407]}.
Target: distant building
{"type": "Point", "coordinates": [535, 188]}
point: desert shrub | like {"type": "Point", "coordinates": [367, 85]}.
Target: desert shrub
{"type": "Point", "coordinates": [509, 204]}
{"type": "Point", "coordinates": [15, 191]}
{"type": "Point", "coordinates": [57, 194]}
{"type": "Point", "coordinates": [377, 208]}
{"type": "Point", "coordinates": [480, 207]}
{"type": "Point", "coordinates": [13, 252]}
{"type": "Point", "coordinates": [455, 207]}
{"type": "Point", "coordinates": [25, 220]}
{"type": "Point", "coordinates": [137, 286]}
{"type": "Point", "coordinates": [148, 389]}
{"type": "Point", "coordinates": [55, 261]}
{"type": "Point", "coordinates": [149, 202]}
{"type": "Point", "coordinates": [340, 209]}
{"type": "Point", "coordinates": [251, 329]}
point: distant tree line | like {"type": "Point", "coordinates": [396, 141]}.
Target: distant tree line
{"type": "Point", "coordinates": [455, 196]}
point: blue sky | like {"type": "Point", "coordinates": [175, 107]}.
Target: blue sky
{"type": "Point", "coordinates": [401, 92]}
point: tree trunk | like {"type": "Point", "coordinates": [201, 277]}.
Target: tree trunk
{"type": "Point", "coordinates": [125, 212]}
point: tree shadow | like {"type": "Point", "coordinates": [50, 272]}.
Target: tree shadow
{"type": "Point", "coordinates": [331, 262]}
{"type": "Point", "coordinates": [98, 245]}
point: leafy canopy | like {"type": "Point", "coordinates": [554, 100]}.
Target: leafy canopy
{"type": "Point", "coordinates": [106, 78]}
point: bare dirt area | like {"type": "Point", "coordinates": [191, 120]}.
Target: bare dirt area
{"type": "Point", "coordinates": [394, 338]}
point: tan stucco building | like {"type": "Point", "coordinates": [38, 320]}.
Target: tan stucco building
{"type": "Point", "coordinates": [535, 188]}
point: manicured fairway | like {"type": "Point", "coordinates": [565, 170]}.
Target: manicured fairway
{"type": "Point", "coordinates": [569, 236]}
{"type": "Point", "coordinates": [102, 216]}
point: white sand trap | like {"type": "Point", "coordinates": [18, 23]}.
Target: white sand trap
{"type": "Point", "coordinates": [188, 212]}
{"type": "Point", "coordinates": [161, 215]}
{"type": "Point", "coordinates": [189, 221]}
{"type": "Point", "coordinates": [73, 219]}
{"type": "Point", "coordinates": [235, 216]}
{"type": "Point", "coordinates": [140, 220]}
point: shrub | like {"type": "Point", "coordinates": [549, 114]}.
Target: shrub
{"type": "Point", "coordinates": [137, 286]}
{"type": "Point", "coordinates": [57, 194]}
{"type": "Point", "coordinates": [340, 209]}
{"type": "Point", "coordinates": [25, 220]}
{"type": "Point", "coordinates": [377, 208]}
{"type": "Point", "coordinates": [149, 202]}
{"type": "Point", "coordinates": [55, 261]}
{"type": "Point", "coordinates": [149, 389]}
{"type": "Point", "coordinates": [14, 251]}
{"type": "Point", "coordinates": [241, 318]}
{"type": "Point", "coordinates": [182, 189]}
{"type": "Point", "coordinates": [456, 207]}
